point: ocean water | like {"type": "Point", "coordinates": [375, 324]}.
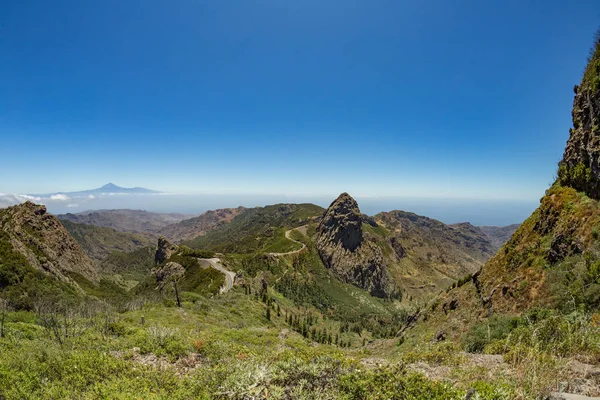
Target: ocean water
{"type": "Point", "coordinates": [475, 211]}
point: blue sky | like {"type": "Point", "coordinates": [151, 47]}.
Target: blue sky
{"type": "Point", "coordinates": [432, 98]}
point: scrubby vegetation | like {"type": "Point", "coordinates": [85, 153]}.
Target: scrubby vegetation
{"type": "Point", "coordinates": [212, 348]}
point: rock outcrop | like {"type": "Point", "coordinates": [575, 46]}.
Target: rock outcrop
{"type": "Point", "coordinates": [350, 255]}
{"type": "Point", "coordinates": [168, 272]}
{"type": "Point", "coordinates": [550, 261]}
{"type": "Point", "coordinates": [580, 166]}
{"type": "Point", "coordinates": [43, 240]}
{"type": "Point", "coordinates": [165, 250]}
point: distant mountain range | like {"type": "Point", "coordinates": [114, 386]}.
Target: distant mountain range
{"type": "Point", "coordinates": [134, 221]}
{"type": "Point", "coordinates": [109, 188]}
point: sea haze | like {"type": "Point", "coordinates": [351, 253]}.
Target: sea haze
{"type": "Point", "coordinates": [477, 212]}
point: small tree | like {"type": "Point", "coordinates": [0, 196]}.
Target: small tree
{"type": "Point", "coordinates": [63, 320]}
{"type": "Point", "coordinates": [268, 313]}
{"type": "Point", "coordinates": [3, 309]}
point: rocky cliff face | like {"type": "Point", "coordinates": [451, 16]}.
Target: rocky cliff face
{"type": "Point", "coordinates": [45, 243]}
{"type": "Point", "coordinates": [580, 166]}
{"type": "Point", "coordinates": [552, 259]}
{"type": "Point", "coordinates": [346, 251]}
{"type": "Point", "coordinates": [164, 250]}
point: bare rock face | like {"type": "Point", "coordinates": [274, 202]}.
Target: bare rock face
{"type": "Point", "coordinates": [46, 244]}
{"type": "Point", "coordinates": [580, 166]}
{"type": "Point", "coordinates": [168, 272]}
{"type": "Point", "coordinates": [342, 223]}
{"type": "Point", "coordinates": [348, 253]}
{"type": "Point", "coordinates": [164, 250]}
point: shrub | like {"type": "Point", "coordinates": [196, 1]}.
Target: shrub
{"type": "Point", "coordinates": [394, 383]}
{"type": "Point", "coordinates": [444, 353]}
{"type": "Point", "coordinates": [162, 341]}
{"type": "Point", "coordinates": [482, 334]}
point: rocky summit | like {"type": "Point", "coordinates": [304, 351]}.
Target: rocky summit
{"type": "Point", "coordinates": [344, 249]}
{"type": "Point", "coordinates": [44, 242]}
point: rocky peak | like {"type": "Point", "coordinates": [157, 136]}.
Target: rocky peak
{"type": "Point", "coordinates": [164, 250]}
{"type": "Point", "coordinates": [580, 166]}
{"type": "Point", "coordinates": [350, 255]}
{"type": "Point", "coordinates": [342, 223]}
{"type": "Point", "coordinates": [44, 241]}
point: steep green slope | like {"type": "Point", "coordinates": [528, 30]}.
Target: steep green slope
{"type": "Point", "coordinates": [537, 301]}
{"type": "Point", "coordinates": [23, 285]}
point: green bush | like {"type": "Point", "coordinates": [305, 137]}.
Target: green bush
{"type": "Point", "coordinates": [162, 341]}
{"type": "Point", "coordinates": [575, 283]}
{"type": "Point", "coordinates": [482, 334]}
{"type": "Point", "coordinates": [444, 353]}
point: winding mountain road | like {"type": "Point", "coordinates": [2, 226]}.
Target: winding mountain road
{"type": "Point", "coordinates": [301, 229]}
{"type": "Point", "coordinates": [229, 275]}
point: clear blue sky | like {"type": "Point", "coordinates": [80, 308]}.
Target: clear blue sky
{"type": "Point", "coordinates": [378, 98]}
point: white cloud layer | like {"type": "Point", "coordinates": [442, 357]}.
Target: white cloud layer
{"type": "Point", "coordinates": [34, 198]}
{"type": "Point", "coordinates": [60, 197]}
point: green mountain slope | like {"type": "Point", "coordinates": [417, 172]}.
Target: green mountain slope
{"type": "Point", "coordinates": [258, 230]}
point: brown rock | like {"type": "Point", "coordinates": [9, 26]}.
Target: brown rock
{"type": "Point", "coordinates": [164, 250]}
{"type": "Point", "coordinates": [580, 166]}
{"type": "Point", "coordinates": [43, 240]}
{"type": "Point", "coordinates": [347, 253]}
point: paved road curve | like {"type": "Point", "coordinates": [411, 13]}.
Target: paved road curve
{"type": "Point", "coordinates": [229, 275]}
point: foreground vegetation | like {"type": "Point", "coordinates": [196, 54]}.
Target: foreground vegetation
{"type": "Point", "coordinates": [246, 344]}
{"type": "Point", "coordinates": [223, 347]}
